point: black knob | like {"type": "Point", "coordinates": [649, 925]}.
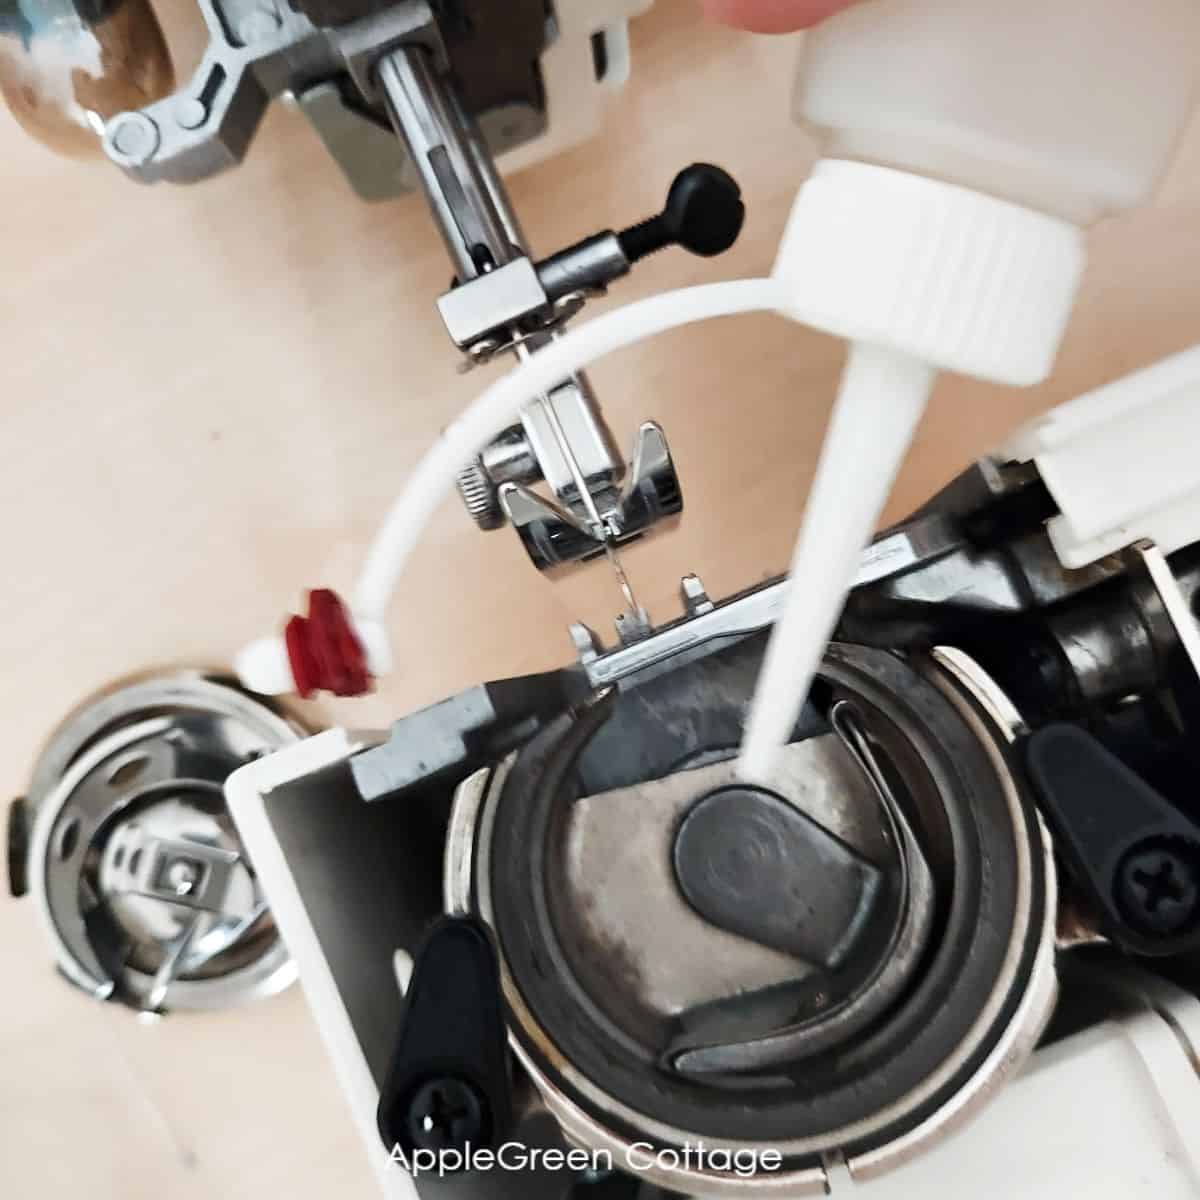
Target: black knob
{"type": "Point", "coordinates": [704, 214]}
{"type": "Point", "coordinates": [448, 1082]}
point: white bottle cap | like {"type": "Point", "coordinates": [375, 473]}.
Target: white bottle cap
{"type": "Point", "coordinates": [955, 278]}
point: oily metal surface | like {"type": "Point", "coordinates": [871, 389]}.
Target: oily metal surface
{"type": "Point", "coordinates": [138, 872]}
{"type": "Point", "coordinates": [618, 870]}
{"type": "Point", "coordinates": [883, 957]}
{"type": "Point", "coordinates": [748, 862]}
{"type": "Point", "coordinates": [863, 1095]}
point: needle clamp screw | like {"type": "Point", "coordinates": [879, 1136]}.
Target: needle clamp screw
{"type": "Point", "coordinates": [704, 214]}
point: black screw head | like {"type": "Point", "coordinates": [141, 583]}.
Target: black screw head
{"type": "Point", "coordinates": [704, 210]}
{"type": "Point", "coordinates": [1158, 887]}
{"type": "Point", "coordinates": [444, 1114]}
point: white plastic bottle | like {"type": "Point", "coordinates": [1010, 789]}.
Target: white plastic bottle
{"type": "Point", "coordinates": [967, 145]}
{"type": "Point", "coordinates": [1069, 107]}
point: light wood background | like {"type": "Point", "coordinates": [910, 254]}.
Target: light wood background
{"type": "Point", "coordinates": [208, 396]}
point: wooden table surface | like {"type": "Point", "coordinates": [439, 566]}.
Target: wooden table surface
{"type": "Point", "coordinates": [208, 397]}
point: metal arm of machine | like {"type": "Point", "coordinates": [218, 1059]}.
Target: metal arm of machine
{"type": "Point", "coordinates": [437, 73]}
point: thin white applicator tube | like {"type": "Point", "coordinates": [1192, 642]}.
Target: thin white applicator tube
{"type": "Point", "coordinates": [496, 408]}
{"type": "Point", "coordinates": [879, 405]}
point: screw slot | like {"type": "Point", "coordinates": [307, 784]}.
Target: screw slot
{"type": "Point", "coordinates": [445, 1114]}
{"type": "Point", "coordinates": [1158, 886]}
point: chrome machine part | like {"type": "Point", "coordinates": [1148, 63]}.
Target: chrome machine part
{"type": "Point", "coordinates": [556, 535]}
{"type": "Point", "coordinates": [508, 459]}
{"type": "Point", "coordinates": [255, 52]}
{"type": "Point", "coordinates": [323, 55]}
{"type": "Point", "coordinates": [975, 568]}
{"type": "Point", "coordinates": [500, 301]}
{"type": "Point", "coordinates": [479, 495]}
{"type": "Point", "coordinates": [426, 116]}
{"type": "Point", "coordinates": [458, 82]}
{"type": "Point", "coordinates": [920, 544]}
{"type": "Point", "coordinates": [140, 875]}
{"type": "Point", "coordinates": [859, 1038]}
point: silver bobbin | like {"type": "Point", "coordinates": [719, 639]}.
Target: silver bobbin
{"type": "Point", "coordinates": [140, 876]}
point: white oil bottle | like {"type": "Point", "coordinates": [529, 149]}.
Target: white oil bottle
{"type": "Point", "coordinates": [967, 145]}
